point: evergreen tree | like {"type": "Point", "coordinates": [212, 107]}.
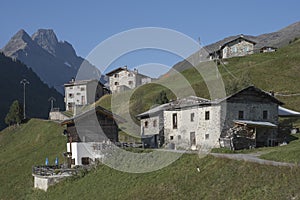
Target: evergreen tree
{"type": "Point", "coordinates": [14, 116]}
{"type": "Point", "coordinates": [162, 98]}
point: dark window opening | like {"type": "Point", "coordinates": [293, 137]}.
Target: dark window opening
{"type": "Point", "coordinates": [154, 123]}
{"type": "Point", "coordinates": [146, 124]}
{"type": "Point", "coordinates": [116, 83]}
{"type": "Point", "coordinates": [192, 117]}
{"type": "Point", "coordinates": [265, 114]}
{"type": "Point", "coordinates": [171, 137]}
{"type": "Point", "coordinates": [206, 136]}
{"type": "Point", "coordinates": [206, 115]}
{"type": "Point", "coordinates": [85, 160]}
{"type": "Point", "coordinates": [174, 120]}
{"type": "Point", "coordinates": [241, 114]}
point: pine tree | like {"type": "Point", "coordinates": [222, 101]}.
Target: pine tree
{"type": "Point", "coordinates": [14, 116]}
{"type": "Point", "coordinates": [162, 98]}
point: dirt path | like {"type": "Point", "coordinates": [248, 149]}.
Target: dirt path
{"type": "Point", "coordinates": [253, 158]}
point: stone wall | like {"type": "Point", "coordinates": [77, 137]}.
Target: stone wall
{"type": "Point", "coordinates": [150, 126]}
{"type": "Point", "coordinates": [207, 131]}
{"type": "Point", "coordinates": [237, 47]}
{"type": "Point", "coordinates": [57, 115]}
{"type": "Point", "coordinates": [252, 111]}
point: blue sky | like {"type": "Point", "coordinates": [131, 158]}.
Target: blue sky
{"type": "Point", "coordinates": [86, 24]}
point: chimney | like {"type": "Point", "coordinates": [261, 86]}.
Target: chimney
{"type": "Point", "coordinates": [125, 67]}
{"type": "Point", "coordinates": [135, 70]}
{"type": "Point", "coordinates": [72, 80]}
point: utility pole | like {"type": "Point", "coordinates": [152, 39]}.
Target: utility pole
{"type": "Point", "coordinates": [51, 99]}
{"type": "Point", "coordinates": [24, 82]}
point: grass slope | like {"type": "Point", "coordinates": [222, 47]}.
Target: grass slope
{"type": "Point", "coordinates": [217, 179]}
{"type": "Point", "coordinates": [287, 153]}
{"type": "Point", "coordinates": [23, 147]}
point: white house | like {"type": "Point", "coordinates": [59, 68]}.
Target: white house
{"type": "Point", "coordinates": [122, 79]}
{"type": "Point", "coordinates": [90, 134]}
{"type": "Point", "coordinates": [204, 123]}
{"type": "Point", "coordinates": [82, 92]}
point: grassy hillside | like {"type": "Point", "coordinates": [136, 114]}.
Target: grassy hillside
{"type": "Point", "coordinates": [217, 179]}
{"type": "Point", "coordinates": [23, 147]}
{"type": "Point", "coordinates": [31, 143]}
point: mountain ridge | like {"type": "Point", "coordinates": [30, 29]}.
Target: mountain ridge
{"type": "Point", "coordinates": [54, 61]}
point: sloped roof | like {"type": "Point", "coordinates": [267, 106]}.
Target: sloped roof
{"type": "Point", "coordinates": [250, 88]}
{"type": "Point", "coordinates": [193, 101]}
{"type": "Point", "coordinates": [255, 123]}
{"type": "Point", "coordinates": [284, 112]}
{"type": "Point", "coordinates": [82, 82]}
{"type": "Point", "coordinates": [220, 44]}
{"type": "Point", "coordinates": [97, 109]}
{"type": "Point", "coordinates": [179, 103]}
{"type": "Point", "coordinates": [122, 69]}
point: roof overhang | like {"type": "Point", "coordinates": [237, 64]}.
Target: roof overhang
{"type": "Point", "coordinates": [284, 112]}
{"type": "Point", "coordinates": [255, 123]}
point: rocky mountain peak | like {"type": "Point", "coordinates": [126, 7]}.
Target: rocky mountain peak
{"type": "Point", "coordinates": [46, 39]}
{"type": "Point", "coordinates": [17, 42]}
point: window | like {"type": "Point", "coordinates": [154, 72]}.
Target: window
{"type": "Point", "coordinates": [129, 75]}
{"type": "Point", "coordinates": [171, 137]}
{"type": "Point", "coordinates": [146, 124]}
{"type": "Point", "coordinates": [241, 114]}
{"type": "Point", "coordinates": [130, 82]}
{"type": "Point", "coordinates": [265, 114]}
{"type": "Point", "coordinates": [85, 160]}
{"type": "Point", "coordinates": [78, 93]}
{"type": "Point", "coordinates": [174, 120]}
{"type": "Point", "coordinates": [116, 75]}
{"type": "Point", "coordinates": [234, 49]}
{"type": "Point", "coordinates": [116, 83]}
{"type": "Point", "coordinates": [192, 117]}
{"type": "Point", "coordinates": [154, 123]}
{"type": "Point", "coordinates": [83, 100]}
{"type": "Point", "coordinates": [206, 136]}
{"type": "Point", "coordinates": [82, 89]}
{"type": "Point", "coordinates": [71, 95]}
{"type": "Point", "coordinates": [179, 137]}
{"type": "Point", "coordinates": [193, 138]}
{"type": "Point", "coordinates": [206, 115]}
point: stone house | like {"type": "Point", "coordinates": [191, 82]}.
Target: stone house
{"type": "Point", "coordinates": [152, 121]}
{"type": "Point", "coordinates": [205, 123]}
{"type": "Point", "coordinates": [240, 45]}
{"type": "Point", "coordinates": [89, 133]}
{"type": "Point", "coordinates": [122, 79]}
{"type": "Point", "coordinates": [83, 92]}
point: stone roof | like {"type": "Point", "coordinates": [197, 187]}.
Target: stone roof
{"type": "Point", "coordinates": [122, 69]}
{"type": "Point", "coordinates": [179, 103]}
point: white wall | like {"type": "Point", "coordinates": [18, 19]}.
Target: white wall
{"type": "Point", "coordinates": [201, 127]}
{"type": "Point", "coordinates": [83, 149]}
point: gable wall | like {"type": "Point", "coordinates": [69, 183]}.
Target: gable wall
{"type": "Point", "coordinates": [237, 47]}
